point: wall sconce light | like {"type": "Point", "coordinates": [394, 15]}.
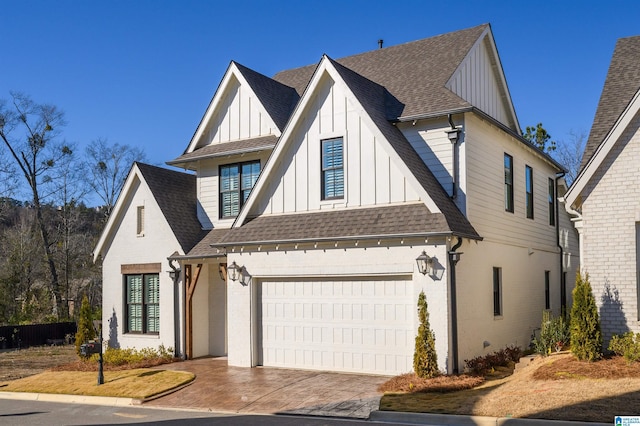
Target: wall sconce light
{"type": "Point", "coordinates": [425, 263]}
{"type": "Point", "coordinates": [234, 271]}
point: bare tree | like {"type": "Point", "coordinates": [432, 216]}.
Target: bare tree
{"type": "Point", "coordinates": [28, 130]}
{"type": "Point", "coordinates": [109, 165]}
{"type": "Point", "coordinates": [569, 154]}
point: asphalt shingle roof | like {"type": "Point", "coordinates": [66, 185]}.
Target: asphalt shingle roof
{"type": "Point", "coordinates": [621, 84]}
{"type": "Point", "coordinates": [278, 99]}
{"type": "Point", "coordinates": [404, 219]}
{"type": "Point", "coordinates": [175, 193]}
{"type": "Point", "coordinates": [415, 73]}
{"type": "Point", "coordinates": [376, 100]}
{"type": "Point", "coordinates": [227, 148]}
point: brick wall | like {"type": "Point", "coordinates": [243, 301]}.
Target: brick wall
{"type": "Point", "coordinates": [611, 209]}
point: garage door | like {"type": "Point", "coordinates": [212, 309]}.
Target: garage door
{"type": "Point", "coordinates": [355, 325]}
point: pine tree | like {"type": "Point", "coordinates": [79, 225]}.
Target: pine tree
{"type": "Point", "coordinates": [85, 331]}
{"type": "Point", "coordinates": [425, 358]}
{"type": "Point", "coordinates": [586, 337]}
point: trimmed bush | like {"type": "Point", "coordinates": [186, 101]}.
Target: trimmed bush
{"type": "Point", "coordinates": [626, 345]}
{"type": "Point", "coordinates": [586, 336]}
{"type": "Point", "coordinates": [425, 358]}
{"type": "Point", "coordinates": [117, 357]}
{"type": "Point", "coordinates": [85, 331]}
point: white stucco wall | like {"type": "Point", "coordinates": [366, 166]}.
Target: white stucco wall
{"type": "Point", "coordinates": [127, 248]}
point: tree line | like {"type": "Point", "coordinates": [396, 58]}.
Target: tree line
{"type": "Point", "coordinates": [46, 240]}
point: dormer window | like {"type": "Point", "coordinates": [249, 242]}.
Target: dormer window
{"type": "Point", "coordinates": [236, 183]}
{"type": "Point", "coordinates": [332, 169]}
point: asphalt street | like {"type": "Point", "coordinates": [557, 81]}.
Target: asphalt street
{"type": "Point", "coordinates": [34, 413]}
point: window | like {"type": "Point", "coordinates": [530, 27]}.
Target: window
{"type": "Point", "coordinates": [528, 171]}
{"type": "Point", "coordinates": [497, 291]}
{"type": "Point", "coordinates": [332, 169]}
{"type": "Point", "coordinates": [552, 198]}
{"type": "Point", "coordinates": [508, 183]}
{"type": "Point", "coordinates": [547, 290]}
{"type": "Point", "coordinates": [236, 183]}
{"type": "Point", "coordinates": [140, 221]}
{"type": "Point", "coordinates": [142, 310]}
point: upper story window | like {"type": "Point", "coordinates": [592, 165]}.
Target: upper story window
{"type": "Point", "coordinates": [528, 174]}
{"type": "Point", "coordinates": [508, 183]}
{"type": "Point", "coordinates": [143, 303]}
{"type": "Point", "coordinates": [552, 198]}
{"type": "Point", "coordinates": [140, 221]}
{"type": "Point", "coordinates": [332, 169]}
{"type": "Point", "coordinates": [236, 182]}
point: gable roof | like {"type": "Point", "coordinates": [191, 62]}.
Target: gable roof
{"type": "Point", "coordinates": [415, 73]}
{"type": "Point", "coordinates": [620, 86]}
{"type": "Point", "coordinates": [276, 99]}
{"type": "Point", "coordinates": [614, 113]}
{"type": "Point", "coordinates": [175, 194]}
{"type": "Point", "coordinates": [376, 100]}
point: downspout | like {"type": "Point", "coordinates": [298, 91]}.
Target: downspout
{"type": "Point", "coordinates": [453, 135]}
{"type": "Point", "coordinates": [454, 257]}
{"type": "Point", "coordinates": [176, 306]}
{"type": "Point", "coordinates": [563, 284]}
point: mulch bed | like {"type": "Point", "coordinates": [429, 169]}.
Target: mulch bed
{"type": "Point", "coordinates": [615, 367]}
{"type": "Point", "coordinates": [411, 383]}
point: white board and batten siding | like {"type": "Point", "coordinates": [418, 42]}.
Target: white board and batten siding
{"type": "Point", "coordinates": [239, 115]}
{"type": "Point", "coordinates": [476, 81]}
{"type": "Point", "coordinates": [371, 176]}
{"type": "Point", "coordinates": [353, 325]}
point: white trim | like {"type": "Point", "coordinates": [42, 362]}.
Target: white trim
{"type": "Point", "coordinates": [603, 150]}
{"type": "Point", "coordinates": [325, 67]}
{"type": "Point", "coordinates": [488, 34]}
{"type": "Point", "coordinates": [232, 71]}
{"type": "Point", "coordinates": [117, 210]}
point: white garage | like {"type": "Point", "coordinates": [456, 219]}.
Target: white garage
{"type": "Point", "coordinates": [363, 324]}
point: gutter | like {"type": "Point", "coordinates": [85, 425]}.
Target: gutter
{"type": "Point", "coordinates": [563, 284]}
{"type": "Point", "coordinates": [454, 258]}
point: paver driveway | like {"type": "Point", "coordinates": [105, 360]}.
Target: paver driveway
{"type": "Point", "coordinates": [219, 387]}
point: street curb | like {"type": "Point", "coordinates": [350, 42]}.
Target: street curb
{"type": "Point", "coordinates": [73, 399]}
{"type": "Point", "coordinates": [450, 420]}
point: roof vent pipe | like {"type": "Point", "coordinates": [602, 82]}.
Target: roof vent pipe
{"type": "Point", "coordinates": [380, 43]}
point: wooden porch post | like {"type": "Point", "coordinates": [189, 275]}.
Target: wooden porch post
{"type": "Point", "coordinates": [190, 286]}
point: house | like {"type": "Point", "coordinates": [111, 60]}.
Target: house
{"type": "Point", "coordinates": [331, 196]}
{"type": "Point", "coordinates": [605, 195]}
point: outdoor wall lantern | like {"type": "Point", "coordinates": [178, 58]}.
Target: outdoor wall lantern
{"type": "Point", "coordinates": [425, 263]}
{"type": "Point", "coordinates": [234, 271]}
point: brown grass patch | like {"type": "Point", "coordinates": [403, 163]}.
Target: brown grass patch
{"type": "Point", "coordinates": [410, 382]}
{"type": "Point", "coordinates": [570, 368]}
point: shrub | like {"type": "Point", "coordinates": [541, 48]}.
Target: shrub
{"type": "Point", "coordinates": [483, 364]}
{"type": "Point", "coordinates": [425, 358]}
{"type": "Point", "coordinates": [554, 334]}
{"type": "Point", "coordinates": [117, 357]}
{"type": "Point", "coordinates": [626, 345]}
{"type": "Point", "coordinates": [85, 331]}
{"type": "Point", "coordinates": [586, 337]}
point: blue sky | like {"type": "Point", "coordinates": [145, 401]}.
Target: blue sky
{"type": "Point", "coordinates": [143, 72]}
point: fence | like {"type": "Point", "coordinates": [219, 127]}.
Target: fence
{"type": "Point", "coordinates": [22, 336]}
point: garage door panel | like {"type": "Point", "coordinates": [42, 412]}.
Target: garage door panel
{"type": "Point", "coordinates": [351, 325]}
